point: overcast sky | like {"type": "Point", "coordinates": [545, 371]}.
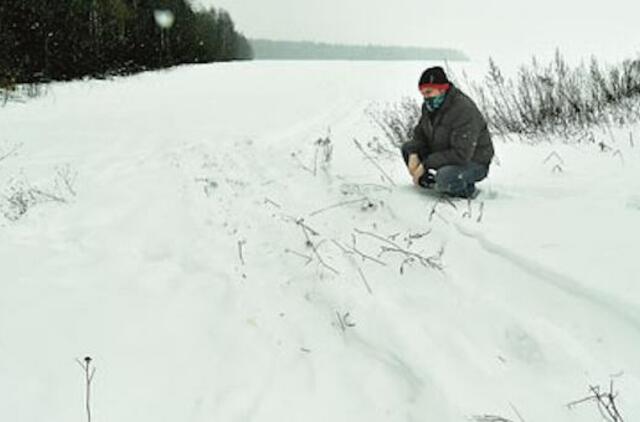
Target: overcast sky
{"type": "Point", "coordinates": [479, 27]}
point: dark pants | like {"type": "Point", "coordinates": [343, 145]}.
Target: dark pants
{"type": "Point", "coordinates": [454, 180]}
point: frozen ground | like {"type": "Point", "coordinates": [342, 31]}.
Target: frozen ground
{"type": "Point", "coordinates": [196, 260]}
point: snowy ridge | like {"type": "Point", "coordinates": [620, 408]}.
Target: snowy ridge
{"type": "Point", "coordinates": [218, 265]}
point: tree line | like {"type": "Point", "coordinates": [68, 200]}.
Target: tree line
{"type": "Point", "coordinates": [42, 40]}
{"type": "Point", "coordinates": [307, 50]}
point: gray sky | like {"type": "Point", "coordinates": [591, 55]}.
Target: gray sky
{"type": "Point", "coordinates": [501, 28]}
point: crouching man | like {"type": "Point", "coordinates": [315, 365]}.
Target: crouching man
{"type": "Point", "coordinates": [451, 148]}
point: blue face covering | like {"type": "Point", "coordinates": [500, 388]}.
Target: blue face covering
{"type": "Point", "coordinates": [434, 103]}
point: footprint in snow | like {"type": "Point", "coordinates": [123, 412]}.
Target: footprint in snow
{"type": "Point", "coordinates": [522, 345]}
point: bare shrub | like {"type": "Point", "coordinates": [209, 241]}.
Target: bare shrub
{"type": "Point", "coordinates": [10, 92]}
{"type": "Point", "coordinates": [397, 122]}
{"type": "Point", "coordinates": [541, 100]}
{"type": "Point", "coordinates": [89, 372]}
{"type": "Point", "coordinates": [20, 195]}
{"type": "Point", "coordinates": [605, 400]}
{"type": "Point", "coordinates": [557, 99]}
{"type": "Point", "coordinates": [322, 155]}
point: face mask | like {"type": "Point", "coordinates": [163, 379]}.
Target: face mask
{"type": "Point", "coordinates": [434, 103]}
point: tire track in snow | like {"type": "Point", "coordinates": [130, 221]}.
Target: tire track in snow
{"type": "Point", "coordinates": [625, 311]}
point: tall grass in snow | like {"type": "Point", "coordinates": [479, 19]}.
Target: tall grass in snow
{"type": "Point", "coordinates": [540, 100]}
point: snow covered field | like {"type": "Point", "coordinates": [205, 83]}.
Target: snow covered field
{"type": "Point", "coordinates": [193, 253]}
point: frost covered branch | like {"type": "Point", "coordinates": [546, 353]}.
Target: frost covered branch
{"type": "Point", "coordinates": [433, 262]}
{"type": "Point", "coordinates": [605, 401]}
{"type": "Point", "coordinates": [89, 372]}
{"type": "Point", "coordinates": [306, 257]}
{"type": "Point", "coordinates": [306, 230]}
{"type": "Point", "coordinates": [338, 205]}
{"type": "Point", "coordinates": [345, 321]}
{"type": "Point", "coordinates": [12, 151]}
{"type": "Point", "coordinates": [241, 244]}
{"type": "Point", "coordinates": [349, 250]}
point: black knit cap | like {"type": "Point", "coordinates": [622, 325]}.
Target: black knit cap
{"type": "Point", "coordinates": [434, 75]}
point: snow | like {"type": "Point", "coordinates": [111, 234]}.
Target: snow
{"type": "Point", "coordinates": [179, 260]}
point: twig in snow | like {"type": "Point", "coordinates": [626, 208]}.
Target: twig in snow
{"type": "Point", "coordinates": [429, 262]}
{"type": "Point", "coordinates": [305, 230]}
{"type": "Point", "coordinates": [307, 257]}
{"type": "Point", "coordinates": [490, 418]}
{"type": "Point", "coordinates": [11, 152]}
{"type": "Point", "coordinates": [435, 205]}
{"type": "Point", "coordinates": [241, 243]}
{"type": "Point", "coordinates": [339, 245]}
{"type": "Point", "coordinates": [301, 164]}
{"type": "Point", "coordinates": [415, 236]}
{"type": "Point", "coordinates": [394, 236]}
{"type": "Point", "coordinates": [631, 143]}
{"type": "Point", "coordinates": [68, 177]}
{"type": "Point", "coordinates": [481, 212]}
{"type": "Point", "coordinates": [433, 210]}
{"type": "Point", "coordinates": [515, 410]}
{"type": "Point", "coordinates": [269, 201]}
{"type": "Point", "coordinates": [339, 204]}
{"type": "Point", "coordinates": [89, 372]}
{"type": "Point", "coordinates": [354, 250]}
{"type": "Point", "coordinates": [449, 201]}
{"type": "Point", "coordinates": [374, 162]}
{"type": "Point", "coordinates": [377, 236]}
{"type": "Point", "coordinates": [364, 280]}
{"type": "Point", "coordinates": [552, 155]}
{"type": "Point", "coordinates": [342, 327]}
{"type": "Point", "coordinates": [606, 402]}
{"type": "Point", "coordinates": [48, 195]}
{"type": "Point", "coordinates": [299, 222]}
{"type": "Point", "coordinates": [326, 146]}
{"type": "Point", "coordinates": [315, 162]}
{"type": "Point", "coordinates": [361, 188]}
{"type": "Point", "coordinates": [351, 251]}
{"type": "Point", "coordinates": [345, 321]}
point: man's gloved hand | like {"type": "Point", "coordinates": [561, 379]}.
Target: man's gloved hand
{"type": "Point", "coordinates": [428, 179]}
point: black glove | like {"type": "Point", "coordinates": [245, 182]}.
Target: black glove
{"type": "Point", "coordinates": [428, 179]}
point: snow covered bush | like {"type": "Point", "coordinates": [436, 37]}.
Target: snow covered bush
{"type": "Point", "coordinates": [541, 100]}
{"type": "Point", "coordinates": [555, 98]}
{"type": "Point", "coordinates": [17, 199]}
{"type": "Point", "coordinates": [605, 399]}
{"type": "Point", "coordinates": [322, 155]}
{"type": "Point", "coordinates": [396, 121]}
{"type": "Point", "coordinates": [19, 196]}
{"type": "Point", "coordinates": [19, 93]}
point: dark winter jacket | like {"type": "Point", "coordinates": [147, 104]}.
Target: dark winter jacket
{"type": "Point", "coordinates": [454, 135]}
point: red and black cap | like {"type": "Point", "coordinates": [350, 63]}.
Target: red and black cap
{"type": "Point", "coordinates": [434, 77]}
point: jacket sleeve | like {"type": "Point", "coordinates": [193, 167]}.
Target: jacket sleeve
{"type": "Point", "coordinates": [462, 138]}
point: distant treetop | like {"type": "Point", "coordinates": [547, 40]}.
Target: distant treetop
{"type": "Point", "coordinates": [306, 50]}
